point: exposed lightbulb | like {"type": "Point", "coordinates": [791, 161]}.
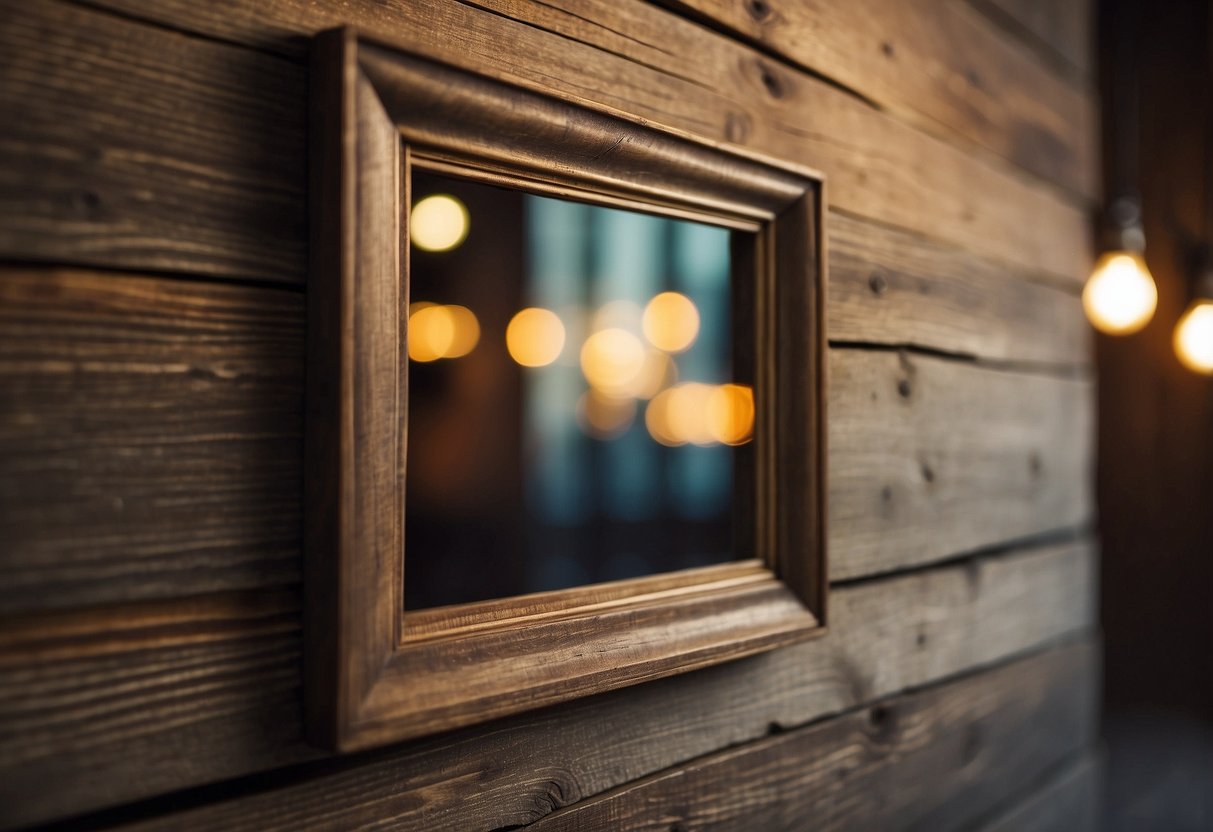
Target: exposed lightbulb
{"type": "Point", "coordinates": [1193, 337]}
{"type": "Point", "coordinates": [1120, 296]}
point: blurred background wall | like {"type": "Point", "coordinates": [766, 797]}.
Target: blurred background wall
{"type": "Point", "coordinates": [1155, 459]}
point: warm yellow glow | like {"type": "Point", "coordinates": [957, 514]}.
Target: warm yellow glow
{"type": "Point", "coordinates": [431, 332]}
{"type": "Point", "coordinates": [657, 420]}
{"type": "Point", "coordinates": [730, 414]}
{"type": "Point", "coordinates": [701, 414]}
{"type": "Point", "coordinates": [438, 223]}
{"type": "Point", "coordinates": [688, 412]}
{"type": "Point", "coordinates": [437, 331]}
{"type": "Point", "coordinates": [671, 322]}
{"type": "Point", "coordinates": [656, 373]}
{"type": "Point", "coordinates": [467, 332]}
{"type": "Point", "coordinates": [605, 417]}
{"type": "Point", "coordinates": [1120, 295]}
{"type": "Point", "coordinates": [612, 361]}
{"type": "Point", "coordinates": [680, 415]}
{"type": "Point", "coordinates": [1194, 337]}
{"type": "Point", "coordinates": [535, 337]}
{"type": "Point", "coordinates": [616, 314]}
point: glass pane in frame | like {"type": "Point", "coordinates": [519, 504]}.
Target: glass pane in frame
{"type": "Point", "coordinates": [580, 401]}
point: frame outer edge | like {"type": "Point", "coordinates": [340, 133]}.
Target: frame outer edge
{"type": "Point", "coordinates": [331, 135]}
{"type": "Point", "coordinates": [338, 694]}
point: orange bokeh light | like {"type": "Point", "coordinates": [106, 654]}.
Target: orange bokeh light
{"type": "Point", "coordinates": [671, 322]}
{"type": "Point", "coordinates": [612, 361]}
{"type": "Point", "coordinates": [437, 331]}
{"type": "Point", "coordinates": [535, 337]}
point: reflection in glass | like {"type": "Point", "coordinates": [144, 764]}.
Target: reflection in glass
{"type": "Point", "coordinates": [575, 411]}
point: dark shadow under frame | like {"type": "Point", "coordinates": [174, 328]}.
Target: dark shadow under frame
{"type": "Point", "coordinates": [374, 673]}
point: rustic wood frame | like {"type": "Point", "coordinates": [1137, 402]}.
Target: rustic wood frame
{"type": "Point", "coordinates": [374, 673]}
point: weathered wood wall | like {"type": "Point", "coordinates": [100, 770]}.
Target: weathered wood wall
{"type": "Point", "coordinates": [152, 278]}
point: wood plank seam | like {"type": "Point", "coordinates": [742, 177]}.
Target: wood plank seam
{"type": "Point", "coordinates": [159, 811]}
{"type": "Point", "coordinates": [772, 29]}
{"type": "Point", "coordinates": [882, 715]}
{"type": "Point", "coordinates": [1062, 536]}
{"type": "Point", "coordinates": [1032, 244]}
{"type": "Point", "coordinates": [1002, 606]}
{"type": "Point", "coordinates": [1079, 371]}
{"type": "Point", "coordinates": [1015, 270]}
{"type": "Point", "coordinates": [911, 118]}
{"type": "Point", "coordinates": [1032, 40]}
{"type": "Point", "coordinates": [900, 380]}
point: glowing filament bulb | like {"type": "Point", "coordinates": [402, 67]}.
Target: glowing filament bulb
{"type": "Point", "coordinates": [1120, 295]}
{"type": "Point", "coordinates": [1193, 338]}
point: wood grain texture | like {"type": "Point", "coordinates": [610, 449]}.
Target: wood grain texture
{"type": "Point", "coordinates": [968, 304]}
{"type": "Point", "coordinates": [978, 738]}
{"type": "Point", "coordinates": [1065, 28]}
{"type": "Point", "coordinates": [109, 704]}
{"type": "Point", "coordinates": [150, 437]}
{"type": "Point", "coordinates": [942, 66]}
{"type": "Point", "coordinates": [1067, 802]}
{"type": "Point", "coordinates": [369, 681]}
{"type": "Point", "coordinates": [628, 57]}
{"type": "Point", "coordinates": [134, 147]}
{"type": "Point", "coordinates": [221, 369]}
{"type": "Point", "coordinates": [890, 287]}
{"type": "Point", "coordinates": [173, 147]}
{"type": "Point", "coordinates": [931, 457]}
{"type": "Point", "coordinates": [113, 711]}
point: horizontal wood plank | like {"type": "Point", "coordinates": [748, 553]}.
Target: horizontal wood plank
{"type": "Point", "coordinates": [1065, 28]}
{"type": "Point", "coordinates": [891, 287]}
{"type": "Point", "coordinates": [932, 760]}
{"type": "Point", "coordinates": [112, 703]}
{"type": "Point", "coordinates": [627, 57]}
{"type": "Point", "coordinates": [938, 64]}
{"type": "Point", "coordinates": [1067, 802]}
{"type": "Point", "coordinates": [150, 428]}
{"type": "Point", "coordinates": [932, 457]}
{"type": "Point", "coordinates": [150, 437]}
{"type": "Point", "coordinates": [114, 706]}
{"type": "Point", "coordinates": [130, 146]}
{"type": "Point", "coordinates": [150, 441]}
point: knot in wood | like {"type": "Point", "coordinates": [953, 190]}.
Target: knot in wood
{"type": "Point", "coordinates": [737, 127]}
{"type": "Point", "coordinates": [759, 10]}
{"type": "Point", "coordinates": [972, 744]}
{"type": "Point", "coordinates": [878, 283]}
{"type": "Point", "coordinates": [771, 81]}
{"type": "Point", "coordinates": [85, 202]}
{"type": "Point", "coordinates": [883, 721]}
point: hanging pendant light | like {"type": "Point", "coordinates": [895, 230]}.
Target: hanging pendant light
{"type": "Point", "coordinates": [1120, 296]}
{"type": "Point", "coordinates": [1193, 338]}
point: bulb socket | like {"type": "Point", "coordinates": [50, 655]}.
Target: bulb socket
{"type": "Point", "coordinates": [1202, 285]}
{"type": "Point", "coordinates": [1122, 226]}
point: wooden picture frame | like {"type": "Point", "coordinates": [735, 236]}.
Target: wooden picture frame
{"type": "Point", "coordinates": [375, 673]}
